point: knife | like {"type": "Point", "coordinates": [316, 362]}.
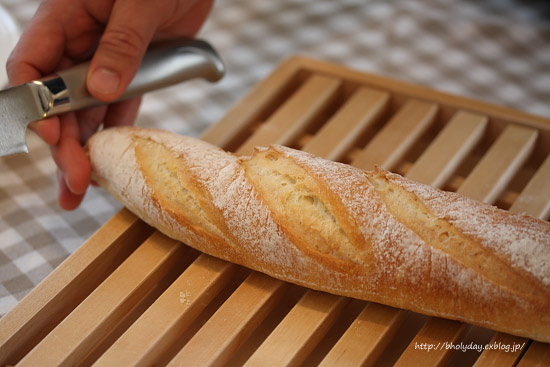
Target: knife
{"type": "Point", "coordinates": [162, 66]}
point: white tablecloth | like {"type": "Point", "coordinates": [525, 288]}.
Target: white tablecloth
{"type": "Point", "coordinates": [494, 50]}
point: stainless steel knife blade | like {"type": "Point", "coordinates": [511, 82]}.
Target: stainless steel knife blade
{"type": "Point", "coordinates": [162, 66]}
{"type": "Point", "coordinates": [18, 108]}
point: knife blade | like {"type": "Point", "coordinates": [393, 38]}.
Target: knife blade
{"type": "Point", "coordinates": [162, 66]}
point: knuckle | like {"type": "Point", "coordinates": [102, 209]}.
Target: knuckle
{"type": "Point", "coordinates": [123, 41]}
{"type": "Point", "coordinates": [12, 63]}
{"type": "Point", "coordinates": [10, 67]}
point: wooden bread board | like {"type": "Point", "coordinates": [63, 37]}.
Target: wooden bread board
{"type": "Point", "coordinates": [129, 296]}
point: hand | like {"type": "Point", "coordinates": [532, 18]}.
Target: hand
{"type": "Point", "coordinates": [117, 33]}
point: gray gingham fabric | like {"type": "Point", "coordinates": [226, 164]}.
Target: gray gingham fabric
{"type": "Point", "coordinates": [493, 50]}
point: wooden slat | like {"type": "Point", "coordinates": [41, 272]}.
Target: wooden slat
{"type": "Point", "coordinates": [47, 304]}
{"type": "Point", "coordinates": [535, 197]}
{"type": "Point", "coordinates": [289, 121]}
{"type": "Point", "coordinates": [294, 116]}
{"type": "Point", "coordinates": [414, 117]}
{"type": "Point", "coordinates": [360, 111]}
{"type": "Point", "coordinates": [440, 160]}
{"type": "Point", "coordinates": [441, 334]}
{"type": "Point", "coordinates": [538, 355]}
{"type": "Point", "coordinates": [365, 339]}
{"type": "Point", "coordinates": [331, 142]}
{"type": "Point", "coordinates": [252, 106]}
{"type": "Point", "coordinates": [498, 166]}
{"type": "Point", "coordinates": [232, 323]}
{"type": "Point", "coordinates": [378, 340]}
{"type": "Point", "coordinates": [399, 134]}
{"type": "Point", "coordinates": [500, 163]}
{"type": "Point", "coordinates": [434, 167]}
{"type": "Point", "coordinates": [294, 338]}
{"type": "Point", "coordinates": [285, 125]}
{"type": "Point", "coordinates": [535, 208]}
{"type": "Point", "coordinates": [353, 118]}
{"type": "Point", "coordinates": [498, 354]}
{"type": "Point", "coordinates": [406, 90]}
{"type": "Point", "coordinates": [518, 143]}
{"type": "Point", "coordinates": [107, 305]}
{"type": "Point", "coordinates": [160, 326]}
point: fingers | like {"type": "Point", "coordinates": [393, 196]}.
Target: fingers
{"type": "Point", "coordinates": [69, 156]}
{"type": "Point", "coordinates": [130, 29]}
{"type": "Point", "coordinates": [72, 161]}
{"type": "Point", "coordinates": [89, 121]}
{"type": "Point", "coordinates": [67, 31]}
{"type": "Point", "coordinates": [35, 54]}
{"type": "Point", "coordinates": [122, 113]}
{"type": "Point", "coordinates": [66, 198]}
{"type": "Point", "coordinates": [39, 52]}
{"type": "Point", "coordinates": [74, 173]}
{"type": "Point", "coordinates": [188, 18]}
{"type": "Point", "coordinates": [47, 129]}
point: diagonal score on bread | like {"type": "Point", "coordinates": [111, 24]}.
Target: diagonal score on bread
{"type": "Point", "coordinates": [329, 226]}
{"type": "Point", "coordinates": [437, 231]}
{"type": "Point", "coordinates": [288, 189]}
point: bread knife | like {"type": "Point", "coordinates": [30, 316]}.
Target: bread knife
{"type": "Point", "coordinates": [162, 66]}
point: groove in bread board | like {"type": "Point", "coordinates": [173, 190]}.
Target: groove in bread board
{"type": "Point", "coordinates": [438, 162]}
{"type": "Point", "coordinates": [294, 338]}
{"type": "Point", "coordinates": [111, 301]}
{"type": "Point", "coordinates": [398, 135]}
{"type": "Point", "coordinates": [233, 322]}
{"type": "Point", "coordinates": [148, 338]}
{"type": "Point", "coordinates": [181, 307]}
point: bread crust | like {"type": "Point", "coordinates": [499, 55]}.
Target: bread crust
{"type": "Point", "coordinates": [370, 235]}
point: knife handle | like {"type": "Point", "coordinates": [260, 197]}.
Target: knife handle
{"type": "Point", "coordinates": [162, 66]}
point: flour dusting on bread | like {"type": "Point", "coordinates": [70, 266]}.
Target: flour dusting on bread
{"type": "Point", "coordinates": [519, 239]}
{"type": "Point", "coordinates": [329, 226]}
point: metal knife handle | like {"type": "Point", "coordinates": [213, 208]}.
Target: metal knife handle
{"type": "Point", "coordinates": [161, 67]}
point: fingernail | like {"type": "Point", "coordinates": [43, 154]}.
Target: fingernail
{"type": "Point", "coordinates": [64, 180]}
{"type": "Point", "coordinates": [104, 81]}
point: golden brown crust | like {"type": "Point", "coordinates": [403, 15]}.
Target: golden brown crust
{"type": "Point", "coordinates": [328, 226]}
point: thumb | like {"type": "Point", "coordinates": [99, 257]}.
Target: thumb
{"type": "Point", "coordinates": [129, 31]}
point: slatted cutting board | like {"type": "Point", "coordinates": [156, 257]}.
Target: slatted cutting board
{"type": "Point", "coordinates": [129, 296]}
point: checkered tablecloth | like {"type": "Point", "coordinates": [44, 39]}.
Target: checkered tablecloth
{"type": "Point", "coordinates": [493, 50]}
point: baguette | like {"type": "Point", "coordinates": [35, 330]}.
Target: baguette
{"type": "Point", "coordinates": [371, 235]}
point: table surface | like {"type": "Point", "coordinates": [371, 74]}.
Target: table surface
{"type": "Point", "coordinates": [495, 51]}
